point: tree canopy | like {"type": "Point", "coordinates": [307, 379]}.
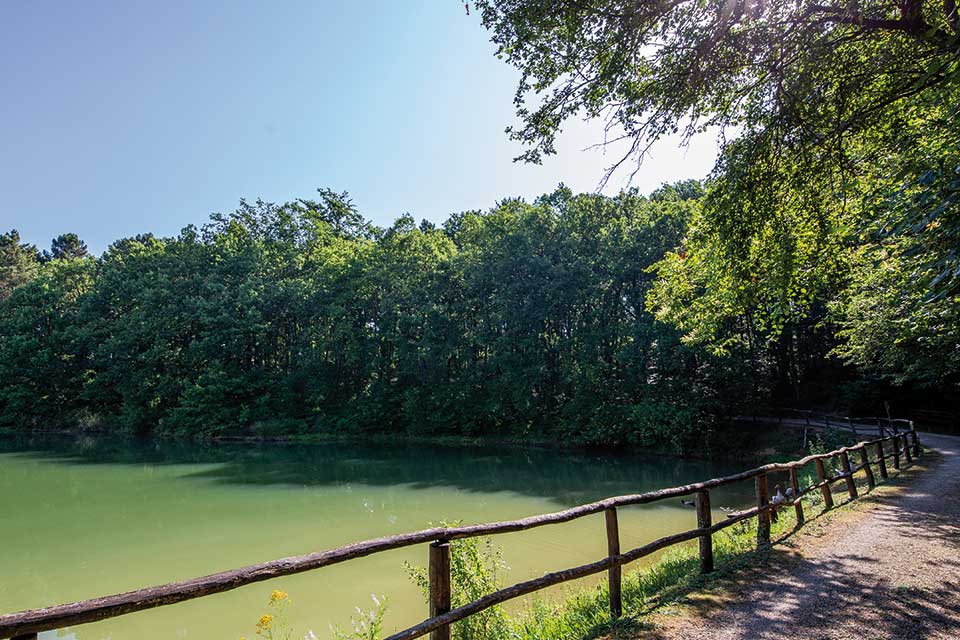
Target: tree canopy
{"type": "Point", "coordinates": [527, 319]}
{"type": "Point", "coordinates": [540, 319]}
{"type": "Point", "coordinates": [18, 263]}
{"type": "Point", "coordinates": [65, 247]}
{"type": "Point", "coordinates": [803, 73]}
{"type": "Point", "coordinates": [840, 154]}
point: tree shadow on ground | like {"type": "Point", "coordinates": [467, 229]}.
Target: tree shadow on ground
{"type": "Point", "coordinates": [792, 596]}
{"type": "Point", "coordinates": [836, 599]}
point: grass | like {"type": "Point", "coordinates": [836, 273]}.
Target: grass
{"type": "Point", "coordinates": [646, 590]}
{"type": "Point", "coordinates": [662, 588]}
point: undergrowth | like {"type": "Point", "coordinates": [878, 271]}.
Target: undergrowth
{"type": "Point", "coordinates": [585, 613]}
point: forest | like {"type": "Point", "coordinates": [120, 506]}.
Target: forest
{"type": "Point", "coordinates": [554, 319]}
{"type": "Point", "coordinates": [303, 317]}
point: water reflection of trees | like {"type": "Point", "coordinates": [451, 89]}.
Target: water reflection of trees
{"type": "Point", "coordinates": [568, 477]}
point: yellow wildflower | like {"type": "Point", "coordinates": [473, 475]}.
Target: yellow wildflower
{"type": "Point", "coordinates": [278, 595]}
{"type": "Point", "coordinates": [265, 621]}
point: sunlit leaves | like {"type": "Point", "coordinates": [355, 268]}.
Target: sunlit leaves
{"type": "Point", "coordinates": [301, 317]}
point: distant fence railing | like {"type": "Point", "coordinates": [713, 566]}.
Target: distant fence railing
{"type": "Point", "coordinates": [857, 426]}
{"type": "Point", "coordinates": [923, 419]}
{"type": "Point", "coordinates": [810, 420]}
{"type": "Point", "coordinates": [25, 625]}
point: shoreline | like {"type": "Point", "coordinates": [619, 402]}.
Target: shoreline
{"type": "Point", "coordinates": [764, 450]}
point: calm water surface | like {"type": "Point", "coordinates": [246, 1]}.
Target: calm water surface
{"type": "Point", "coordinates": [86, 517]}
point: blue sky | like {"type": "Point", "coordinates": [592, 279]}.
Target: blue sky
{"type": "Point", "coordinates": [124, 117]}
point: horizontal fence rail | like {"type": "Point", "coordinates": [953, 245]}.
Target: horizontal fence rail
{"type": "Point", "coordinates": [26, 624]}
{"type": "Point", "coordinates": [857, 426]}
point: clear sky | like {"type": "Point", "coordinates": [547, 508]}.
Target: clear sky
{"type": "Point", "coordinates": [123, 117]}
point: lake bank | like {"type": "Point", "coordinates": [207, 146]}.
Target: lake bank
{"type": "Point", "coordinates": [744, 440]}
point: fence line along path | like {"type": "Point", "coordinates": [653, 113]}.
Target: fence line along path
{"type": "Point", "coordinates": [810, 420]}
{"type": "Point", "coordinates": [898, 448]}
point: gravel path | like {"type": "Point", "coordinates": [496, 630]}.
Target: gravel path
{"type": "Point", "coordinates": [892, 572]}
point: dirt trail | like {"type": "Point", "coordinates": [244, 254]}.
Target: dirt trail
{"type": "Point", "coordinates": [891, 573]}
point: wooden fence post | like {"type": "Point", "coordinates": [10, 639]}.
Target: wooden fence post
{"type": "Point", "coordinates": [614, 573]}
{"type": "Point", "coordinates": [865, 461]}
{"type": "Point", "coordinates": [896, 451]}
{"type": "Point", "coordinates": [848, 474]}
{"type": "Point", "coordinates": [882, 461]}
{"type": "Point", "coordinates": [906, 448]}
{"type": "Point", "coordinates": [440, 585]}
{"type": "Point", "coordinates": [916, 442]}
{"type": "Point", "coordinates": [763, 517]}
{"type": "Point", "coordinates": [797, 503]}
{"type": "Point", "coordinates": [704, 520]}
{"type": "Point", "coordinates": [825, 489]}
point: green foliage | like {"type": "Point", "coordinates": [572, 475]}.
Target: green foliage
{"type": "Point", "coordinates": [67, 246]}
{"type": "Point", "coordinates": [475, 565]}
{"type": "Point", "coordinates": [299, 318]}
{"type": "Point", "coordinates": [795, 68]}
{"type": "Point", "coordinates": [891, 329]}
{"type": "Point", "coordinates": [19, 262]}
{"type": "Point", "coordinates": [42, 368]}
{"type": "Point", "coordinates": [841, 149]}
{"type": "Point", "coordinates": [585, 612]}
{"type": "Point", "coordinates": [830, 440]}
{"type": "Point", "coordinates": [366, 625]}
{"type": "Point", "coordinates": [898, 318]}
{"type": "Point", "coordinates": [593, 320]}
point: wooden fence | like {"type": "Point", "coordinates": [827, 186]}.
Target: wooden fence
{"type": "Point", "coordinates": [25, 625]}
{"type": "Point", "coordinates": [810, 420]}
{"type": "Point", "coordinates": [857, 426]}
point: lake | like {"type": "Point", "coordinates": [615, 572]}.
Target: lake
{"type": "Point", "coordinates": [85, 517]}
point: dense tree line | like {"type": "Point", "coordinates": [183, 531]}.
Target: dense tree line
{"type": "Point", "coordinates": [818, 265]}
{"type": "Point", "coordinates": [303, 317]}
{"type": "Point", "coordinates": [527, 320]}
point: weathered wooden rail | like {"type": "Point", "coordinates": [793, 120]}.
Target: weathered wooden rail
{"type": "Point", "coordinates": [857, 426]}
{"type": "Point", "coordinates": [810, 420]}
{"type": "Point", "coordinates": [25, 625]}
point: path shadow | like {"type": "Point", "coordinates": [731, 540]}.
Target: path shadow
{"type": "Point", "coordinates": [829, 596]}
{"type": "Point", "coordinates": [794, 597]}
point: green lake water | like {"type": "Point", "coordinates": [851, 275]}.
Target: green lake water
{"type": "Point", "coordinates": [83, 517]}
